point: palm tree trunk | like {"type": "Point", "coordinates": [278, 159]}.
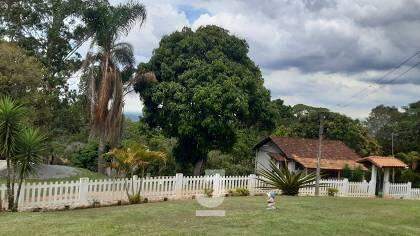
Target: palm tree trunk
{"type": "Point", "coordinates": [10, 187]}
{"type": "Point", "coordinates": [101, 161]}
{"type": "Point", "coordinates": [16, 206]}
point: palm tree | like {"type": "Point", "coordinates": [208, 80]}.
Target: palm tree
{"type": "Point", "coordinates": [283, 179]}
{"type": "Point", "coordinates": [30, 145]}
{"type": "Point", "coordinates": [108, 68]}
{"type": "Point", "coordinates": [11, 115]}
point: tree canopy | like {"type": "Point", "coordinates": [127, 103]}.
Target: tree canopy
{"type": "Point", "coordinates": [207, 87]}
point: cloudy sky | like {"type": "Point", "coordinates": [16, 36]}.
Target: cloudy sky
{"type": "Point", "coordinates": [329, 53]}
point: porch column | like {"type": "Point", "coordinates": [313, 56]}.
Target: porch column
{"type": "Point", "coordinates": [372, 183]}
{"type": "Point", "coordinates": [386, 181]}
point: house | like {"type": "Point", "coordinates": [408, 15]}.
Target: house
{"type": "Point", "coordinates": [300, 154]}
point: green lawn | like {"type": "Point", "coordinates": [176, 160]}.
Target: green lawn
{"type": "Point", "coordinates": [244, 215]}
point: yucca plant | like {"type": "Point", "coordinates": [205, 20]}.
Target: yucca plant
{"type": "Point", "coordinates": [283, 179]}
{"type": "Point", "coordinates": [29, 155]}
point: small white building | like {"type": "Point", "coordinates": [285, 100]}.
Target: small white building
{"type": "Point", "coordinates": [300, 154]}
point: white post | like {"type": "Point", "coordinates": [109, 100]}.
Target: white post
{"type": "Point", "coordinates": [216, 185]}
{"type": "Point", "coordinates": [408, 194]}
{"type": "Point", "coordinates": [134, 184]}
{"type": "Point", "coordinates": [345, 190]}
{"type": "Point", "coordinates": [372, 183]}
{"type": "Point", "coordinates": [83, 191]}
{"type": "Point", "coordinates": [386, 182]}
{"type": "Point", "coordinates": [178, 185]}
{"type": "Point", "coordinates": [252, 182]}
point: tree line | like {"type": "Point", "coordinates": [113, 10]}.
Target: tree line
{"type": "Point", "coordinates": [205, 104]}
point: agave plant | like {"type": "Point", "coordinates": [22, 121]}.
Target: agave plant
{"type": "Point", "coordinates": [283, 179]}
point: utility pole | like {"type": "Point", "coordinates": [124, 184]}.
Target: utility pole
{"type": "Point", "coordinates": [392, 143]}
{"type": "Point", "coordinates": [318, 161]}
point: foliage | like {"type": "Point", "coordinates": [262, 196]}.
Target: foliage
{"type": "Point", "coordinates": [206, 89]}
{"type": "Point", "coordinates": [411, 176]}
{"type": "Point", "coordinates": [86, 157]}
{"type": "Point", "coordinates": [304, 122]}
{"type": "Point", "coordinates": [411, 159]}
{"type": "Point", "coordinates": [355, 175]}
{"type": "Point", "coordinates": [239, 192]}
{"type": "Point", "coordinates": [30, 146]}
{"type": "Point", "coordinates": [332, 192]}
{"type": "Point", "coordinates": [20, 146]}
{"type": "Point", "coordinates": [135, 158]}
{"type": "Point", "coordinates": [209, 192]}
{"type": "Point", "coordinates": [384, 121]}
{"type": "Point", "coordinates": [135, 198]}
{"type": "Point", "coordinates": [285, 180]}
{"type": "Point", "coordinates": [107, 24]}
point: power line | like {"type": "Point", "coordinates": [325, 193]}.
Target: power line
{"type": "Point", "coordinates": [383, 79]}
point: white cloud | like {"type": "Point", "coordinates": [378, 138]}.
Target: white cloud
{"type": "Point", "coordinates": [317, 52]}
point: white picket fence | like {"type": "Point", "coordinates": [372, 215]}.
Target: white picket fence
{"type": "Point", "coordinates": [401, 190]}
{"type": "Point", "coordinates": [52, 195]}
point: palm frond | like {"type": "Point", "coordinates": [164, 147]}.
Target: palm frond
{"type": "Point", "coordinates": [30, 149]}
{"type": "Point", "coordinates": [11, 115]}
{"type": "Point", "coordinates": [123, 54]}
{"type": "Point", "coordinates": [126, 15]}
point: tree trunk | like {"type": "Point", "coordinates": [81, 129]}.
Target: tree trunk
{"type": "Point", "coordinates": [101, 161]}
{"type": "Point", "coordinates": [199, 165]}
{"type": "Point", "coordinates": [16, 206]}
{"type": "Point", "coordinates": [10, 189]}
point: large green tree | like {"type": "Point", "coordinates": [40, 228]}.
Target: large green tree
{"type": "Point", "coordinates": [107, 24]}
{"type": "Point", "coordinates": [207, 88]}
{"type": "Point", "coordinates": [304, 122]}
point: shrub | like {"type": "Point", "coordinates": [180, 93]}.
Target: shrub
{"type": "Point", "coordinates": [208, 192]}
{"type": "Point", "coordinates": [332, 192]}
{"type": "Point", "coordinates": [134, 198]}
{"type": "Point", "coordinates": [355, 175]}
{"type": "Point", "coordinates": [86, 157]}
{"type": "Point", "coordinates": [288, 182]}
{"type": "Point", "coordinates": [239, 192]}
{"type": "Point", "coordinates": [146, 200]}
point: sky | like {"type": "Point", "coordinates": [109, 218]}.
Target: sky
{"type": "Point", "coordinates": [323, 53]}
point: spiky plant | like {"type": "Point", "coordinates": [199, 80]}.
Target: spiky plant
{"type": "Point", "coordinates": [283, 179]}
{"type": "Point", "coordinates": [11, 115]}
{"type": "Point", "coordinates": [28, 159]}
{"type": "Point", "coordinates": [115, 60]}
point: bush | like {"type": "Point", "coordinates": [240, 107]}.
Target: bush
{"type": "Point", "coordinates": [411, 176]}
{"type": "Point", "coordinates": [87, 157]}
{"type": "Point", "coordinates": [208, 192]}
{"type": "Point", "coordinates": [355, 175]}
{"type": "Point", "coordinates": [239, 192]}
{"type": "Point", "coordinates": [135, 198]}
{"type": "Point", "coordinates": [332, 192]}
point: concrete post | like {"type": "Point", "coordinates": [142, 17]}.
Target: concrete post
{"type": "Point", "coordinates": [345, 190]}
{"type": "Point", "coordinates": [252, 184]}
{"type": "Point", "coordinates": [386, 182]}
{"type": "Point", "coordinates": [372, 183]}
{"type": "Point", "coordinates": [216, 185]}
{"type": "Point", "coordinates": [178, 185]}
{"type": "Point", "coordinates": [84, 191]}
{"type": "Point", "coordinates": [408, 194]}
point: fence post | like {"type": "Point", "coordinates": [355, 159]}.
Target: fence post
{"type": "Point", "coordinates": [252, 182]}
{"type": "Point", "coordinates": [83, 191]}
{"type": "Point", "coordinates": [179, 177]}
{"type": "Point", "coordinates": [134, 184]}
{"type": "Point", "coordinates": [216, 185]}
{"type": "Point", "coordinates": [346, 187]}
{"type": "Point", "coordinates": [408, 190]}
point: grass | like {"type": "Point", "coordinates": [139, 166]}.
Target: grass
{"type": "Point", "coordinates": [244, 215]}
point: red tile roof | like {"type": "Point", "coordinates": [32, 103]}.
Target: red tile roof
{"type": "Point", "coordinates": [276, 156]}
{"type": "Point", "coordinates": [335, 154]}
{"type": "Point", "coordinates": [381, 162]}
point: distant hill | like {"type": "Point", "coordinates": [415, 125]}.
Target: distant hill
{"type": "Point", "coordinates": [132, 116]}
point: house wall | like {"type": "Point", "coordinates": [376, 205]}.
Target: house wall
{"type": "Point", "coordinates": [262, 159]}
